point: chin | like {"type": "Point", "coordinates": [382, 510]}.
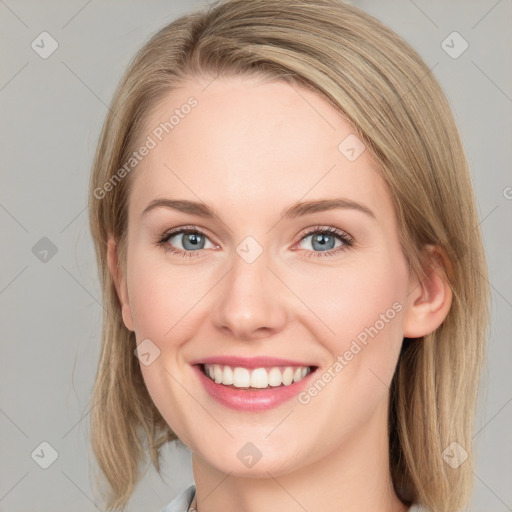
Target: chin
{"type": "Point", "coordinates": [248, 463]}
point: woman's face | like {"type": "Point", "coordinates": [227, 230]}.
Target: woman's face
{"type": "Point", "coordinates": [260, 277]}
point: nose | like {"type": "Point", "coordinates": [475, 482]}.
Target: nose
{"type": "Point", "coordinates": [250, 302]}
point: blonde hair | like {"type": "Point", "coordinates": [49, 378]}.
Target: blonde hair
{"type": "Point", "coordinates": [382, 87]}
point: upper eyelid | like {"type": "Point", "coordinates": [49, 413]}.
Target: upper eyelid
{"type": "Point", "coordinates": [184, 229]}
{"type": "Point", "coordinates": [308, 232]}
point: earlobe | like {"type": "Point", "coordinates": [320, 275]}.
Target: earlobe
{"type": "Point", "coordinates": [430, 297]}
{"type": "Point", "coordinates": [126, 313]}
{"type": "Point", "coordinates": [120, 283]}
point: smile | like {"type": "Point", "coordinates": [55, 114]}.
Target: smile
{"type": "Point", "coordinates": [252, 385]}
{"type": "Point", "coordinates": [257, 378]}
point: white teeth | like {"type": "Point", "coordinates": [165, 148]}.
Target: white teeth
{"type": "Point", "coordinates": [259, 378]}
{"type": "Point", "coordinates": [241, 377]}
{"type": "Point", "coordinates": [288, 376]}
{"type": "Point", "coordinates": [218, 374]}
{"type": "Point", "coordinates": [228, 376]}
{"type": "Point", "coordinates": [275, 377]}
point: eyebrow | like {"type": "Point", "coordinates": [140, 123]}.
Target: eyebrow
{"type": "Point", "coordinates": [296, 210]}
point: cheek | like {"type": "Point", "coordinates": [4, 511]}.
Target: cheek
{"type": "Point", "coordinates": [363, 309]}
{"type": "Point", "coordinates": [353, 298]}
{"type": "Point", "coordinates": [362, 305]}
{"type": "Point", "coordinates": [161, 298]}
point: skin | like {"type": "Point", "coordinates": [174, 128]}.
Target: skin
{"type": "Point", "coordinates": [251, 148]}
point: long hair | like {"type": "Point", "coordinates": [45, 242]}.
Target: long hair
{"type": "Point", "coordinates": [381, 86]}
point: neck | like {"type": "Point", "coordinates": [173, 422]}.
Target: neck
{"type": "Point", "coordinates": [353, 478]}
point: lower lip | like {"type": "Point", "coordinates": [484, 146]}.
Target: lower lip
{"type": "Point", "coordinates": [245, 400]}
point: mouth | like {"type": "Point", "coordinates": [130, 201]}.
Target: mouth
{"type": "Point", "coordinates": [255, 379]}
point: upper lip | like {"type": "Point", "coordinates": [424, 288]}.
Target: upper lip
{"type": "Point", "coordinates": [250, 362]}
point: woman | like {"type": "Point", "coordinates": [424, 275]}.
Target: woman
{"type": "Point", "coordinates": [282, 210]}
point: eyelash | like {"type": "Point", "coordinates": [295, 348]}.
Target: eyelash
{"type": "Point", "coordinates": [341, 235]}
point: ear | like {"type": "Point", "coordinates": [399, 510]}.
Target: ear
{"type": "Point", "coordinates": [120, 283]}
{"type": "Point", "coordinates": [430, 297]}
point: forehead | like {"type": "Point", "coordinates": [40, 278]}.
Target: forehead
{"type": "Point", "coordinates": [249, 143]}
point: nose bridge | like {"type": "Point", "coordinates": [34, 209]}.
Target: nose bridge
{"type": "Point", "coordinates": [249, 304]}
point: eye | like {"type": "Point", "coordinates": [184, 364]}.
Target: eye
{"type": "Point", "coordinates": [191, 240]}
{"type": "Point", "coordinates": [323, 241]}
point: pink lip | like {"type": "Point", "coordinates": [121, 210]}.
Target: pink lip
{"type": "Point", "coordinates": [250, 362]}
{"type": "Point", "coordinates": [242, 399]}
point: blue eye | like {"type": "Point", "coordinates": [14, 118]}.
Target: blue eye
{"type": "Point", "coordinates": [323, 241]}
{"type": "Point", "coordinates": [192, 240]}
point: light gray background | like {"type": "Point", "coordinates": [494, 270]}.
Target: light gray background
{"type": "Point", "coordinates": [52, 110]}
